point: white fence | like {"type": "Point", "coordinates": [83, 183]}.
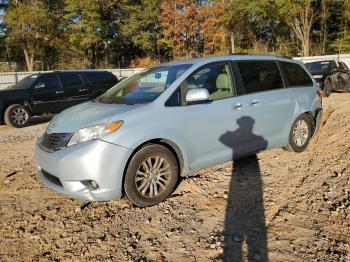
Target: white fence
{"type": "Point", "coordinates": [7, 79]}
{"type": "Point", "coordinates": [11, 78]}
{"type": "Point", "coordinates": [342, 57]}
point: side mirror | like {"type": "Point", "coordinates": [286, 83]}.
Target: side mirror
{"type": "Point", "coordinates": [39, 85]}
{"type": "Point", "coordinates": [197, 95]}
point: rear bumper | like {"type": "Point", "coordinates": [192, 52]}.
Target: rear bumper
{"type": "Point", "coordinates": [318, 121]}
{"type": "Point", "coordinates": [70, 170]}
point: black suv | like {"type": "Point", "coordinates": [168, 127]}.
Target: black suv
{"type": "Point", "coordinates": [331, 75]}
{"type": "Point", "coordinates": [51, 93]}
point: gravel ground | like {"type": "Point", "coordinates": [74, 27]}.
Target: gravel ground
{"type": "Point", "coordinates": [276, 206]}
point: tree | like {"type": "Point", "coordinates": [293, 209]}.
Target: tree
{"type": "Point", "coordinates": [30, 25]}
{"type": "Point", "coordinates": [181, 23]}
{"type": "Point", "coordinates": [342, 43]}
{"type": "Point", "coordinates": [84, 27]}
{"type": "Point", "coordinates": [213, 29]}
{"type": "Point", "coordinates": [142, 25]}
{"type": "Point", "coordinates": [300, 15]}
{"type": "Point", "coordinates": [254, 25]}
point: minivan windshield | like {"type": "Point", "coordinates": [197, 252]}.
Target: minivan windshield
{"type": "Point", "coordinates": [25, 82]}
{"type": "Point", "coordinates": [318, 66]}
{"type": "Point", "coordinates": [144, 87]}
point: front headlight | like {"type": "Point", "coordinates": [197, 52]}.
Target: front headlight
{"type": "Point", "coordinates": [94, 132]}
{"type": "Point", "coordinates": [318, 76]}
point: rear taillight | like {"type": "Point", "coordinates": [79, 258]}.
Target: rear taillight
{"type": "Point", "coordinates": [320, 93]}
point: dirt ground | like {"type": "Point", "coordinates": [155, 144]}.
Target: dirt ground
{"type": "Point", "coordinates": [278, 206]}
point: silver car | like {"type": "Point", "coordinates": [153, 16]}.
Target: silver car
{"type": "Point", "coordinates": [139, 137]}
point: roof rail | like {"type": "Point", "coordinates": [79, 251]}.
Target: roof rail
{"type": "Point", "coordinates": [260, 54]}
{"type": "Point", "coordinates": [241, 53]}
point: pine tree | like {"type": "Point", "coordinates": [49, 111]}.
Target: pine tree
{"type": "Point", "coordinates": [143, 26]}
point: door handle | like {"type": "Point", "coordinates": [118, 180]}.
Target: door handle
{"type": "Point", "coordinates": [254, 103]}
{"type": "Point", "coordinates": [237, 106]}
{"type": "Point", "coordinates": [83, 90]}
{"type": "Point", "coordinates": [59, 92]}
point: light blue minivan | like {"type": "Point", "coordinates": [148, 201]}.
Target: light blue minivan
{"type": "Point", "coordinates": [139, 137]}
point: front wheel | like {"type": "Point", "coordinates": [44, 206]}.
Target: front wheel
{"type": "Point", "coordinates": [300, 134]}
{"type": "Point", "coordinates": [17, 116]}
{"type": "Point", "coordinates": [151, 175]}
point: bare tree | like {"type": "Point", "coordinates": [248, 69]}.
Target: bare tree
{"type": "Point", "coordinates": [301, 16]}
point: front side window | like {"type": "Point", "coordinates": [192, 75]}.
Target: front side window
{"type": "Point", "coordinates": [26, 82]}
{"type": "Point", "coordinates": [50, 81]}
{"type": "Point", "coordinates": [144, 87]}
{"type": "Point", "coordinates": [216, 78]}
{"type": "Point", "coordinates": [295, 75]}
{"type": "Point", "coordinates": [260, 76]}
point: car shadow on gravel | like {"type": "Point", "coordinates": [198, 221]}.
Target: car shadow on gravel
{"type": "Point", "coordinates": [245, 227]}
{"type": "Point", "coordinates": [38, 120]}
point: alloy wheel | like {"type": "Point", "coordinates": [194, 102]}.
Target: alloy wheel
{"type": "Point", "coordinates": [19, 116]}
{"type": "Point", "coordinates": [153, 176]}
{"type": "Point", "coordinates": [300, 133]}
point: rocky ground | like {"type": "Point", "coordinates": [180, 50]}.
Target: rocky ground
{"type": "Point", "coordinates": [279, 206]}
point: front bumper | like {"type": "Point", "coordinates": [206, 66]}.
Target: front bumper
{"type": "Point", "coordinates": [71, 169]}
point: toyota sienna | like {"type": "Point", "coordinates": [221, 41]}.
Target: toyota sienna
{"type": "Point", "coordinates": [140, 136]}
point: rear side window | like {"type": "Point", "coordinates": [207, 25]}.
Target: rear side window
{"type": "Point", "coordinates": [100, 77]}
{"type": "Point", "coordinates": [71, 81]}
{"type": "Point", "coordinates": [295, 75]}
{"type": "Point", "coordinates": [343, 66]}
{"type": "Point", "coordinates": [260, 76]}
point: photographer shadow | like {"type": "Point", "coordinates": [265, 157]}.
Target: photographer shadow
{"type": "Point", "coordinates": [245, 216]}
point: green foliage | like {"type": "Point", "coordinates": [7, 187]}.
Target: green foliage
{"type": "Point", "coordinates": [72, 34]}
{"type": "Point", "coordinates": [83, 22]}
{"type": "Point", "coordinates": [142, 25]}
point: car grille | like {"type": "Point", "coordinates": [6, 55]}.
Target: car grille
{"type": "Point", "coordinates": [56, 141]}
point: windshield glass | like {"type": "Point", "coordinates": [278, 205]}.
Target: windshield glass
{"type": "Point", "coordinates": [318, 66]}
{"type": "Point", "coordinates": [144, 87]}
{"type": "Point", "coordinates": [25, 82]}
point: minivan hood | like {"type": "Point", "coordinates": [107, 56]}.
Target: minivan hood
{"type": "Point", "coordinates": [87, 114]}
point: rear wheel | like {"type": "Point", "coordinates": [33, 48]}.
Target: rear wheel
{"type": "Point", "coordinates": [347, 89]}
{"type": "Point", "coordinates": [327, 87]}
{"type": "Point", "coordinates": [17, 116]}
{"type": "Point", "coordinates": [151, 176]}
{"type": "Point", "coordinates": [300, 134]}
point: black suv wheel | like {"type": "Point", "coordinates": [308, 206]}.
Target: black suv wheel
{"type": "Point", "coordinates": [16, 116]}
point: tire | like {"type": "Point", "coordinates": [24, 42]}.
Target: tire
{"type": "Point", "coordinates": [327, 88]}
{"type": "Point", "coordinates": [152, 166]}
{"type": "Point", "coordinates": [17, 116]}
{"type": "Point", "coordinates": [347, 88]}
{"type": "Point", "coordinates": [298, 141]}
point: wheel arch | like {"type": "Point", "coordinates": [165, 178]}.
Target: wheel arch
{"type": "Point", "coordinates": [312, 118]}
{"type": "Point", "coordinates": [173, 147]}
